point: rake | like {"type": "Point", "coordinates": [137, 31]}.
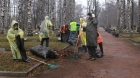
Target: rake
{"type": "Point", "coordinates": [51, 66]}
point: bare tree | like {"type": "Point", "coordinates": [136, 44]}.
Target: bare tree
{"type": "Point", "coordinates": [30, 33]}
{"type": "Point", "coordinates": [122, 17]}
{"type": "Point", "coordinates": [3, 13]}
{"type": "Point", "coordinates": [20, 12]}
{"type": "Point", "coordinates": [138, 16]}
{"type": "Point", "coordinates": [79, 12]}
{"type": "Point", "coordinates": [129, 17]}
{"type": "Point", "coordinates": [64, 11]}
{"type": "Point", "coordinates": [30, 13]}
{"type": "Point", "coordinates": [118, 17]}
{"type": "Point", "coordinates": [93, 7]}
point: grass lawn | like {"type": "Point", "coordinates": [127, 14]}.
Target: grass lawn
{"type": "Point", "coordinates": [128, 35]}
{"type": "Point", "coordinates": [7, 64]}
{"type": "Point", "coordinates": [137, 39]}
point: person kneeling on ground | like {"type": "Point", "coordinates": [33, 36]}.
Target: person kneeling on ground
{"type": "Point", "coordinates": [100, 42]}
{"type": "Point", "coordinates": [64, 33]}
{"type": "Point", "coordinates": [15, 38]}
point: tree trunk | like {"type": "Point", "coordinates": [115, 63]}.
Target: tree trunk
{"type": "Point", "coordinates": [73, 9]}
{"type": "Point", "coordinates": [129, 18]}
{"type": "Point", "coordinates": [3, 13]}
{"type": "Point", "coordinates": [59, 13]}
{"type": "Point", "coordinates": [64, 11]}
{"type": "Point", "coordinates": [118, 18]}
{"type": "Point", "coordinates": [30, 33]}
{"type": "Point", "coordinates": [138, 17]}
{"type": "Point", "coordinates": [122, 17]}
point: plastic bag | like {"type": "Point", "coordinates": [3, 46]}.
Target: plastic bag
{"type": "Point", "coordinates": [40, 51]}
{"type": "Point", "coordinates": [99, 54]}
{"type": "Point", "coordinates": [72, 42]}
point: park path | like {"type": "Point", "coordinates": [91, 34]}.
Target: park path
{"type": "Point", "coordinates": [121, 60]}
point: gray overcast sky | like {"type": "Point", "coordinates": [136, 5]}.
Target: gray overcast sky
{"type": "Point", "coordinates": [84, 2]}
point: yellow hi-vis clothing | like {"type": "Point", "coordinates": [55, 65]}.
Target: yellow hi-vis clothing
{"type": "Point", "coordinates": [73, 26]}
{"type": "Point", "coordinates": [83, 34]}
{"type": "Point", "coordinates": [11, 36]}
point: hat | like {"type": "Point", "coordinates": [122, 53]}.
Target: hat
{"type": "Point", "coordinates": [90, 14]}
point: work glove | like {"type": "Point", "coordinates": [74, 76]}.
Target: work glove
{"type": "Point", "coordinates": [17, 36]}
{"type": "Point", "coordinates": [84, 29]}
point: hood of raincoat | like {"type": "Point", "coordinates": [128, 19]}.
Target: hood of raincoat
{"type": "Point", "coordinates": [12, 24]}
{"type": "Point", "coordinates": [47, 18]}
{"type": "Point", "coordinates": [81, 20]}
{"type": "Point", "coordinates": [12, 33]}
{"type": "Point", "coordinates": [44, 24]}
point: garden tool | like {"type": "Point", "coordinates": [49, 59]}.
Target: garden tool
{"type": "Point", "coordinates": [75, 53]}
{"type": "Point", "coordinates": [67, 46]}
{"type": "Point", "coordinates": [51, 66]}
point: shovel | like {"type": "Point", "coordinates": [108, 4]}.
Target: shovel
{"type": "Point", "coordinates": [51, 66]}
{"type": "Point", "coordinates": [75, 53]}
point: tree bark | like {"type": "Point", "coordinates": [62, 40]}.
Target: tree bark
{"type": "Point", "coordinates": [138, 17]}
{"type": "Point", "coordinates": [129, 18]}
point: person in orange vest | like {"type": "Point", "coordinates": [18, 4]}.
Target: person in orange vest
{"type": "Point", "coordinates": [64, 33]}
{"type": "Point", "coordinates": [100, 42]}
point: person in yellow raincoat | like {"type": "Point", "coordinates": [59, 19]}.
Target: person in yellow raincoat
{"type": "Point", "coordinates": [44, 31]}
{"type": "Point", "coordinates": [83, 34]}
{"type": "Point", "coordinates": [15, 38]}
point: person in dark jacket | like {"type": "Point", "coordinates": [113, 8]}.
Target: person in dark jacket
{"type": "Point", "coordinates": [91, 36]}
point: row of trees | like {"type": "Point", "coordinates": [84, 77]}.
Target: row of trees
{"type": "Point", "coordinates": [30, 13]}
{"type": "Point", "coordinates": [124, 14]}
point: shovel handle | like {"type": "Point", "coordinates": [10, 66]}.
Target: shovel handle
{"type": "Point", "coordinates": [37, 60]}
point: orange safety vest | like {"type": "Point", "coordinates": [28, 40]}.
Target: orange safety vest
{"type": "Point", "coordinates": [99, 39]}
{"type": "Point", "coordinates": [63, 29]}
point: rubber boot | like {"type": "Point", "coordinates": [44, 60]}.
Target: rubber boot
{"type": "Point", "coordinates": [89, 52]}
{"type": "Point", "coordinates": [84, 47]}
{"type": "Point", "coordinates": [93, 54]}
